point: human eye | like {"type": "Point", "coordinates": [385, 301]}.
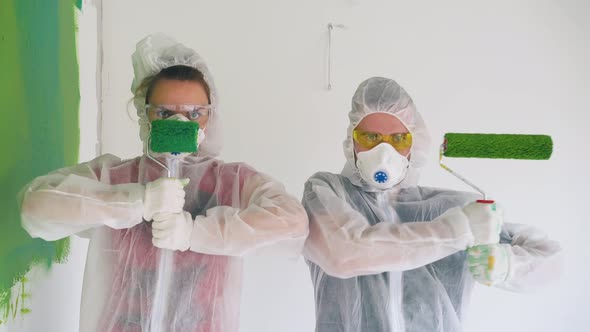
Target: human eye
{"type": "Point", "coordinates": [372, 136]}
{"type": "Point", "coordinates": [398, 138]}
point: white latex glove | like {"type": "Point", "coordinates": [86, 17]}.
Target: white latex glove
{"type": "Point", "coordinates": [485, 221]}
{"type": "Point", "coordinates": [489, 264]}
{"type": "Point", "coordinates": [165, 195]}
{"type": "Point", "coordinates": [172, 230]}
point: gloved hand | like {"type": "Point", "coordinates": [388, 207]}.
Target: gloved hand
{"type": "Point", "coordinates": [489, 264]}
{"type": "Point", "coordinates": [485, 221]}
{"type": "Point", "coordinates": [172, 230]}
{"type": "Point", "coordinates": [165, 195]}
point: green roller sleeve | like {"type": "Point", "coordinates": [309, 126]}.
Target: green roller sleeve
{"type": "Point", "coordinates": [498, 146]}
{"type": "Point", "coordinates": [174, 136]}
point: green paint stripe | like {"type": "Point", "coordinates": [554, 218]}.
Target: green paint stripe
{"type": "Point", "coordinates": [69, 81]}
{"type": "Point", "coordinates": [39, 83]}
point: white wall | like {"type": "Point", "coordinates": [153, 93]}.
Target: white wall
{"type": "Point", "coordinates": [506, 66]}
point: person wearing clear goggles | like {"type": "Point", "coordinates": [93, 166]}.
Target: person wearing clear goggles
{"type": "Point", "coordinates": [386, 254]}
{"type": "Point", "coordinates": [205, 219]}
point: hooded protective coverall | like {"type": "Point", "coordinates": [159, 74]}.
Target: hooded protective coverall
{"type": "Point", "coordinates": [235, 209]}
{"type": "Point", "coordinates": [395, 260]}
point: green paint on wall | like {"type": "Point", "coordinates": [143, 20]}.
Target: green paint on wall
{"type": "Point", "coordinates": [39, 88]}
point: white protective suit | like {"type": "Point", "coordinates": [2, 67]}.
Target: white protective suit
{"type": "Point", "coordinates": [236, 210]}
{"type": "Point", "coordinates": [395, 260]}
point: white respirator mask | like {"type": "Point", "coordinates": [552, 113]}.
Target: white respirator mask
{"type": "Point", "coordinates": [382, 167]}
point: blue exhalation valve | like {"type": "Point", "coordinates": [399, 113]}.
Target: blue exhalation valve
{"type": "Point", "coordinates": [380, 177]}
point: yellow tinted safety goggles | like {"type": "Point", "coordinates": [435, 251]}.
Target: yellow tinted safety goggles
{"type": "Point", "coordinates": [369, 140]}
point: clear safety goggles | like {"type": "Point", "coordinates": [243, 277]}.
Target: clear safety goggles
{"type": "Point", "coordinates": [369, 140]}
{"type": "Point", "coordinates": [191, 112]}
